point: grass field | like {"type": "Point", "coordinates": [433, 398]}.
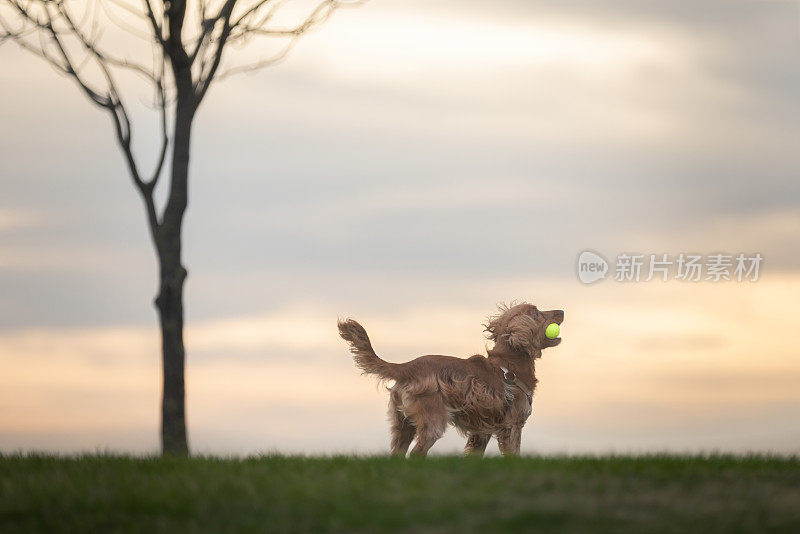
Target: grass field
{"type": "Point", "coordinates": [378, 494]}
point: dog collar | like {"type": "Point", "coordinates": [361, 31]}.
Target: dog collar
{"type": "Point", "coordinates": [511, 379]}
{"type": "Point", "coordinates": [509, 376]}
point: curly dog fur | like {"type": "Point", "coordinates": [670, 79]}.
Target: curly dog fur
{"type": "Point", "coordinates": [473, 394]}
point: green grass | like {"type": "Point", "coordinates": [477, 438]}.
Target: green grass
{"type": "Point", "coordinates": [379, 494]}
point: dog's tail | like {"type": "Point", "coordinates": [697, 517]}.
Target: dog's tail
{"type": "Point", "coordinates": [363, 354]}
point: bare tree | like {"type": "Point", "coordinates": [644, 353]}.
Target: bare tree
{"type": "Point", "coordinates": [187, 43]}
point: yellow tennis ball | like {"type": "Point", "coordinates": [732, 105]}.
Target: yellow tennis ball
{"type": "Point", "coordinates": [552, 331]}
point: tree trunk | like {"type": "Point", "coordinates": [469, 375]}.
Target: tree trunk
{"type": "Point", "coordinates": [170, 309]}
{"type": "Point", "coordinates": [169, 301]}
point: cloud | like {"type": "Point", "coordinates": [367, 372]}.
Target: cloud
{"type": "Point", "coordinates": [14, 219]}
{"type": "Point", "coordinates": [412, 164]}
{"type": "Point", "coordinates": [631, 353]}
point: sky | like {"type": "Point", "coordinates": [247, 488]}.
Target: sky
{"type": "Point", "coordinates": [411, 165]}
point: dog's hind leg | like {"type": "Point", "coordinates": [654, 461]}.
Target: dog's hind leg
{"type": "Point", "coordinates": [402, 429]}
{"type": "Point", "coordinates": [476, 444]}
{"type": "Point", "coordinates": [431, 418]}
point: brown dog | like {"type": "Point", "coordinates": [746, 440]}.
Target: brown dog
{"type": "Point", "coordinates": [481, 396]}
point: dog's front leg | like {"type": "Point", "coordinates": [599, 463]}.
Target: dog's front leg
{"type": "Point", "coordinates": [476, 444]}
{"type": "Point", "coordinates": [508, 439]}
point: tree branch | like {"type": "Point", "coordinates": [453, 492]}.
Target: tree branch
{"type": "Point", "coordinates": [205, 78]}
{"type": "Point", "coordinates": [71, 45]}
{"type": "Point", "coordinates": [158, 33]}
{"type": "Point", "coordinates": [110, 100]}
{"type": "Point", "coordinates": [161, 99]}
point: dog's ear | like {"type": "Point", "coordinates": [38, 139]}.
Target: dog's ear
{"type": "Point", "coordinates": [521, 334]}
{"type": "Point", "coordinates": [492, 327]}
{"type": "Point", "coordinates": [493, 324]}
